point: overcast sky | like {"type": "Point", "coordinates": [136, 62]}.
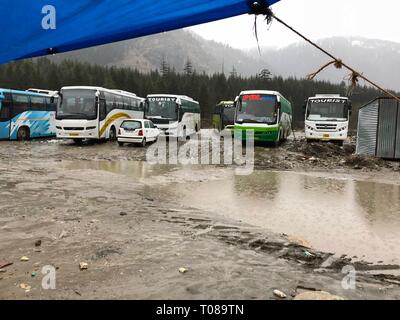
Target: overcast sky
{"type": "Point", "coordinates": [316, 18]}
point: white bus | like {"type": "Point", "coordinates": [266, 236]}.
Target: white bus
{"type": "Point", "coordinates": [327, 118]}
{"type": "Point", "coordinates": [175, 115]}
{"type": "Point", "coordinates": [94, 112]}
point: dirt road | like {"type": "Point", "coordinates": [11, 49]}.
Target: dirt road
{"type": "Point", "coordinates": [61, 205]}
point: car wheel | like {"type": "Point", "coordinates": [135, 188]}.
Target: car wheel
{"type": "Point", "coordinates": [143, 144]}
{"type": "Point", "coordinates": [120, 143]}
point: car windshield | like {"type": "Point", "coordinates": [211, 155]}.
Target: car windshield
{"type": "Point", "coordinates": [77, 104]}
{"type": "Point", "coordinates": [162, 107]}
{"type": "Point", "coordinates": [327, 109]}
{"type": "Point", "coordinates": [131, 125]}
{"type": "Point", "coordinates": [257, 108]}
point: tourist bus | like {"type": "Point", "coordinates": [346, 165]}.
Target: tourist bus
{"type": "Point", "coordinates": [174, 115]}
{"type": "Point", "coordinates": [94, 113]}
{"type": "Point", "coordinates": [327, 118]}
{"type": "Point", "coordinates": [267, 113]}
{"type": "Point", "coordinates": [25, 115]}
{"type": "Point", "coordinates": [224, 115]}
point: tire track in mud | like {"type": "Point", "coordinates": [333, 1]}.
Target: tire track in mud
{"type": "Point", "coordinates": [250, 238]}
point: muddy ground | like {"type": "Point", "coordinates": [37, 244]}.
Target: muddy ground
{"type": "Point", "coordinates": [62, 204]}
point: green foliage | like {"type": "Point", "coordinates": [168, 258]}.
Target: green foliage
{"type": "Point", "coordinates": [207, 89]}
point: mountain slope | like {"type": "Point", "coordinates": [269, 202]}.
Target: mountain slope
{"type": "Point", "coordinates": [176, 47]}
{"type": "Point", "coordinates": [379, 60]}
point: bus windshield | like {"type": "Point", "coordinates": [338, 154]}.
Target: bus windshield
{"type": "Point", "coordinates": [257, 109]}
{"type": "Point", "coordinates": [162, 108]}
{"type": "Point", "coordinates": [77, 104]}
{"type": "Point", "coordinates": [327, 110]}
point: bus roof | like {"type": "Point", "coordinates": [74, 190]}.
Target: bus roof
{"type": "Point", "coordinates": [43, 91]}
{"type": "Point", "coordinates": [274, 93]}
{"type": "Point", "coordinates": [25, 92]}
{"type": "Point", "coordinates": [115, 91]}
{"type": "Point", "coordinates": [329, 96]}
{"type": "Point", "coordinates": [171, 96]}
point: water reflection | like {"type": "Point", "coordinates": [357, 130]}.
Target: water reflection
{"type": "Point", "coordinates": [134, 169]}
{"type": "Point", "coordinates": [341, 216]}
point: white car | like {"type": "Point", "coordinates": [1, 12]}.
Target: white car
{"type": "Point", "coordinates": [138, 131]}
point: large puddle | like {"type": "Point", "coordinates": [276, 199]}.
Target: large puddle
{"type": "Point", "coordinates": [345, 216]}
{"type": "Point", "coordinates": [342, 216]}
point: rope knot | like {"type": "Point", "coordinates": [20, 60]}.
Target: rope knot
{"type": "Point", "coordinates": [338, 64]}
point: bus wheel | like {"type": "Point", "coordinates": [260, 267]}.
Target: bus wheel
{"type": "Point", "coordinates": [23, 134]}
{"type": "Point", "coordinates": [113, 134]}
{"type": "Point", "coordinates": [278, 142]}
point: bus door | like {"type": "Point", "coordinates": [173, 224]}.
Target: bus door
{"type": "Point", "coordinates": [5, 115]}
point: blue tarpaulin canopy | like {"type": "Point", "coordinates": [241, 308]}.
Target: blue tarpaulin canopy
{"type": "Point", "coordinates": [31, 28]}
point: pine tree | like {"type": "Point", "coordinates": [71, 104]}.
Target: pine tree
{"type": "Point", "coordinates": [233, 73]}
{"type": "Point", "coordinates": [265, 74]}
{"type": "Point", "coordinates": [165, 68]}
{"type": "Point", "coordinates": [188, 69]}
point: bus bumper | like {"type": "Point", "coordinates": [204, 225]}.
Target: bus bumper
{"type": "Point", "coordinates": [326, 136]}
{"type": "Point", "coordinates": [260, 135]}
{"type": "Point", "coordinates": [75, 134]}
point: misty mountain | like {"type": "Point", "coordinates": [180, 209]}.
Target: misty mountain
{"type": "Point", "coordinates": [377, 59]}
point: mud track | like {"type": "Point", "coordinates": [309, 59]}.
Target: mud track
{"type": "Point", "coordinates": [135, 241]}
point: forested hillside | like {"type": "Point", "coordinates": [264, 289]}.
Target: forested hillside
{"type": "Point", "coordinates": [208, 89]}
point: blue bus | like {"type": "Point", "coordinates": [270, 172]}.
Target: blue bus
{"type": "Point", "coordinates": [26, 114]}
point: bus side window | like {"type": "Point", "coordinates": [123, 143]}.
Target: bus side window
{"type": "Point", "coordinates": [126, 103]}
{"type": "Point", "coordinates": [120, 102]}
{"type": "Point", "coordinates": [5, 107]}
{"type": "Point", "coordinates": [102, 109]}
{"type": "Point", "coordinates": [110, 99]}
{"type": "Point", "coordinates": [132, 104]}
{"type": "Point", "coordinates": [20, 104]}
{"type": "Point", "coordinates": [38, 103]}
